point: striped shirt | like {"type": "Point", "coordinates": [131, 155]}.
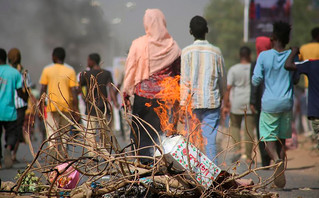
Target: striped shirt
{"type": "Point", "coordinates": [19, 102]}
{"type": "Point", "coordinates": [203, 75]}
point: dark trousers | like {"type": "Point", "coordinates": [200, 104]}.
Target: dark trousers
{"type": "Point", "coordinates": [265, 159]}
{"type": "Point", "coordinates": [141, 133]}
{"type": "Point", "coordinates": [10, 128]}
{"type": "Point", "coordinates": [20, 123]}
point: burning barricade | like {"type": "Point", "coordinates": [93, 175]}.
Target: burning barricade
{"type": "Point", "coordinates": [179, 166]}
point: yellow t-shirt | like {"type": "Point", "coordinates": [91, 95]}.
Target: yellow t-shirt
{"type": "Point", "coordinates": [59, 79]}
{"type": "Point", "coordinates": [309, 51]}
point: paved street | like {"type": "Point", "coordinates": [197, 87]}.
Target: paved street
{"type": "Point", "coordinates": [302, 174]}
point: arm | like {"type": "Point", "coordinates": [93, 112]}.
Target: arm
{"type": "Point", "coordinates": [113, 95]}
{"type": "Point", "coordinates": [73, 84]}
{"type": "Point", "coordinates": [43, 89]}
{"type": "Point", "coordinates": [177, 66]}
{"type": "Point", "coordinates": [230, 83]}
{"type": "Point", "coordinates": [290, 64]}
{"type": "Point", "coordinates": [185, 81]}
{"type": "Point", "coordinates": [74, 91]}
{"type": "Point", "coordinates": [222, 78]}
{"type": "Point", "coordinates": [227, 105]}
{"type": "Point", "coordinates": [130, 72]}
{"type": "Point", "coordinates": [258, 76]}
{"type": "Point", "coordinates": [254, 91]}
{"type": "Point", "coordinates": [23, 94]}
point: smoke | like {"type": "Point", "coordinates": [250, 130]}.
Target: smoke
{"type": "Point", "coordinates": [38, 26]}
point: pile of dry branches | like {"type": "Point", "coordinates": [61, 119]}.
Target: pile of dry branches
{"type": "Point", "coordinates": [110, 170]}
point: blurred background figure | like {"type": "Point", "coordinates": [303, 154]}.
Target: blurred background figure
{"type": "Point", "coordinates": [10, 82]}
{"type": "Point", "coordinates": [308, 51]}
{"type": "Point", "coordinates": [97, 92]}
{"type": "Point", "coordinates": [60, 84]}
{"type": "Point", "coordinates": [14, 58]}
{"type": "Point", "coordinates": [151, 58]}
{"type": "Point", "coordinates": [237, 100]}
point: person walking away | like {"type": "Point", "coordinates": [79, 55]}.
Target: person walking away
{"type": "Point", "coordinates": [309, 51]}
{"type": "Point", "coordinates": [14, 58]}
{"type": "Point", "coordinates": [262, 44]}
{"type": "Point", "coordinates": [59, 82]}
{"type": "Point", "coordinates": [238, 83]}
{"type": "Point", "coordinates": [277, 99]}
{"type": "Point", "coordinates": [311, 69]}
{"type": "Point", "coordinates": [96, 93]}
{"type": "Point", "coordinates": [203, 77]}
{"type": "Point", "coordinates": [10, 81]}
{"type": "Point", "coordinates": [151, 58]}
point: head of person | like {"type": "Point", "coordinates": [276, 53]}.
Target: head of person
{"type": "Point", "coordinates": [263, 43]}
{"type": "Point", "coordinates": [315, 34]}
{"type": "Point", "coordinates": [3, 56]}
{"type": "Point", "coordinates": [198, 27]}
{"type": "Point", "coordinates": [14, 57]}
{"type": "Point", "coordinates": [58, 55]}
{"type": "Point", "coordinates": [155, 24]}
{"type": "Point", "coordinates": [93, 60]}
{"type": "Point", "coordinates": [244, 53]}
{"type": "Point", "coordinates": [281, 33]}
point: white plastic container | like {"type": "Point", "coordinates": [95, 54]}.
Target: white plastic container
{"type": "Point", "coordinates": [175, 151]}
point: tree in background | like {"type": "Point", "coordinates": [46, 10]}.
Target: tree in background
{"type": "Point", "coordinates": [225, 20]}
{"type": "Point", "coordinates": [305, 18]}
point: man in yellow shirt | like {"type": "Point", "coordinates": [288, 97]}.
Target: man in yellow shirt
{"type": "Point", "coordinates": [59, 83]}
{"type": "Point", "coordinates": [311, 50]}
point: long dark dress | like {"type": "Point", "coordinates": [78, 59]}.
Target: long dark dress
{"type": "Point", "coordinates": [145, 93]}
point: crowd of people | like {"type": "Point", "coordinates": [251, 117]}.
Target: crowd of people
{"type": "Point", "coordinates": [257, 93]}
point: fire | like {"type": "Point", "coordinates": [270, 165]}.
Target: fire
{"type": "Point", "coordinates": [170, 113]}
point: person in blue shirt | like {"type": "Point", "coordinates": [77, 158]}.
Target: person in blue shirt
{"type": "Point", "coordinates": [10, 81]}
{"type": "Point", "coordinates": [311, 69]}
{"type": "Point", "coordinates": [277, 99]}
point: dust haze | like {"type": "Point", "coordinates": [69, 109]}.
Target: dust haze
{"type": "Point", "coordinates": [85, 26]}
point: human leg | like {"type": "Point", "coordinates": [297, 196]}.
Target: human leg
{"type": "Point", "coordinates": [285, 132]}
{"type": "Point", "coordinates": [209, 119]}
{"type": "Point", "coordinates": [235, 124]}
{"type": "Point", "coordinates": [249, 135]}
{"type": "Point", "coordinates": [20, 123]}
{"type": "Point", "coordinates": [64, 129]}
{"type": "Point", "coordinates": [142, 134]}
{"type": "Point", "coordinates": [265, 159]}
{"type": "Point", "coordinates": [269, 126]}
{"type": "Point", "coordinates": [274, 129]}
{"type": "Point", "coordinates": [91, 132]}
{"type": "Point", "coordinates": [53, 133]}
{"type": "Point", "coordinates": [315, 126]}
{"type": "Point", "coordinates": [11, 139]}
{"type": "Point", "coordinates": [51, 126]}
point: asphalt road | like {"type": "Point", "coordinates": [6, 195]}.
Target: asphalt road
{"type": "Point", "coordinates": [302, 174]}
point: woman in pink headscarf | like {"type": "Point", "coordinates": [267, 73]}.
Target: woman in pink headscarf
{"type": "Point", "coordinates": [151, 58]}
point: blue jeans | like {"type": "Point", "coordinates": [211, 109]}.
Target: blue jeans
{"type": "Point", "coordinates": [209, 119]}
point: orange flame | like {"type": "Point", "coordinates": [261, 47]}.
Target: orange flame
{"type": "Point", "coordinates": [170, 113]}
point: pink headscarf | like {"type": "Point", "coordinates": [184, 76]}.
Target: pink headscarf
{"type": "Point", "coordinates": [151, 52]}
{"type": "Point", "coordinates": [262, 43]}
